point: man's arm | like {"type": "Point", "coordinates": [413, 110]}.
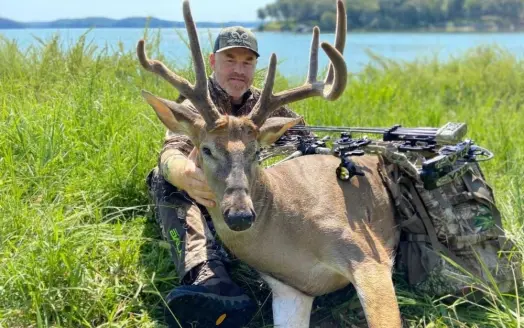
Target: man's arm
{"type": "Point", "coordinates": [285, 111]}
{"type": "Point", "coordinates": [171, 158]}
{"type": "Point", "coordinates": [175, 151]}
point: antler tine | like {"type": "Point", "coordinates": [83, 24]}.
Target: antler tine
{"type": "Point", "coordinates": [260, 111]}
{"type": "Point", "coordinates": [155, 66]}
{"type": "Point", "coordinates": [197, 94]}
{"type": "Point", "coordinates": [313, 57]}
{"type": "Point", "coordinates": [330, 89]}
{"type": "Point", "coordinates": [340, 36]}
{"type": "Point", "coordinates": [196, 52]}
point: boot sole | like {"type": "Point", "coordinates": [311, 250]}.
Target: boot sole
{"type": "Point", "coordinates": [216, 311]}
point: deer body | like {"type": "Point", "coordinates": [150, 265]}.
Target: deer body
{"type": "Point", "coordinates": [305, 231]}
{"type": "Point", "coordinates": [314, 251]}
{"type": "Point", "coordinates": [347, 235]}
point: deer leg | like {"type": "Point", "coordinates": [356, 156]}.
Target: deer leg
{"type": "Point", "coordinates": [291, 308]}
{"type": "Point", "coordinates": [374, 285]}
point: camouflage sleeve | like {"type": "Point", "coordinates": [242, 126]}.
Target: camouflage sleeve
{"type": "Point", "coordinates": [285, 111]}
{"type": "Point", "coordinates": [176, 141]}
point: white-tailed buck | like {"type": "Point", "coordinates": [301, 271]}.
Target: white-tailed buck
{"type": "Point", "coordinates": [305, 231]}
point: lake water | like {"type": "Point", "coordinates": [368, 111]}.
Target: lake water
{"type": "Point", "coordinates": [293, 49]}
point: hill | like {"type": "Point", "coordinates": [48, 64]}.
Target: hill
{"type": "Point", "coordinates": [102, 22]}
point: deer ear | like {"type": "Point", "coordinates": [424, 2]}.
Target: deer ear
{"type": "Point", "coordinates": [176, 117]}
{"type": "Point", "coordinates": [274, 127]}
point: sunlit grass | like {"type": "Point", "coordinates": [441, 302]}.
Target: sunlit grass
{"type": "Point", "coordinates": [77, 141]}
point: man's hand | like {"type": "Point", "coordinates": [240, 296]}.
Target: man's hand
{"type": "Point", "coordinates": [194, 182]}
{"type": "Point", "coordinates": [185, 174]}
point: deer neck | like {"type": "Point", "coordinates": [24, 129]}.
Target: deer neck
{"type": "Point", "coordinates": [262, 193]}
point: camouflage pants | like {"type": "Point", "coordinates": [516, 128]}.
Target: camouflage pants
{"type": "Point", "coordinates": [185, 224]}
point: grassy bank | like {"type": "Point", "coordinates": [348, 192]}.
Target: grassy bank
{"type": "Point", "coordinates": [77, 248]}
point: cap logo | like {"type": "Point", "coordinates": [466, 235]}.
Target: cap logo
{"type": "Point", "coordinates": [237, 38]}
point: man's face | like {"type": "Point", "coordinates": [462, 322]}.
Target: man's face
{"type": "Point", "coordinates": [234, 70]}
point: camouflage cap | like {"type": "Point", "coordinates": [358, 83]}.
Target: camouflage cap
{"type": "Point", "coordinates": [236, 37]}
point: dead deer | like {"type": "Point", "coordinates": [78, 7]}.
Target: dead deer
{"type": "Point", "coordinates": [305, 231]}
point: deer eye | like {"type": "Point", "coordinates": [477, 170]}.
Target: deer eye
{"type": "Point", "coordinates": [206, 151]}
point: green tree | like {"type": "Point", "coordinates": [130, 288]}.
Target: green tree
{"type": "Point", "coordinates": [397, 14]}
{"type": "Point", "coordinates": [285, 8]}
{"type": "Point", "coordinates": [328, 21]}
{"type": "Point", "coordinates": [272, 11]}
{"type": "Point", "coordinates": [362, 13]}
{"type": "Point", "coordinates": [261, 14]}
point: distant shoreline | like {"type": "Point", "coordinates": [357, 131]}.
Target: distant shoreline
{"type": "Point", "coordinates": [102, 22]}
{"type": "Point", "coordinates": [143, 22]}
{"type": "Point", "coordinates": [440, 28]}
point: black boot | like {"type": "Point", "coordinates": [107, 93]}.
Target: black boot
{"type": "Point", "coordinates": [212, 299]}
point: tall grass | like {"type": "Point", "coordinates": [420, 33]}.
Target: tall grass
{"type": "Point", "coordinates": [77, 248]}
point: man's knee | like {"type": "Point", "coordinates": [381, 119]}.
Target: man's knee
{"type": "Point", "coordinates": [169, 204]}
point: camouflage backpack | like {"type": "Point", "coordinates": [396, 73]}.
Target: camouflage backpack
{"type": "Point", "coordinates": [457, 218]}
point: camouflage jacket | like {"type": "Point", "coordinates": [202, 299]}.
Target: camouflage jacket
{"type": "Point", "coordinates": [222, 101]}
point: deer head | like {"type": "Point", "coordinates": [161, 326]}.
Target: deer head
{"type": "Point", "coordinates": [228, 146]}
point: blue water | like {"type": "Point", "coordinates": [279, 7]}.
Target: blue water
{"type": "Point", "coordinates": [293, 49]}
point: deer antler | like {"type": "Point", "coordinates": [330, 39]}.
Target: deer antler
{"type": "Point", "coordinates": [331, 88]}
{"type": "Point", "coordinates": [197, 94]}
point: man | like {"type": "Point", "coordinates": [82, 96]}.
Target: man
{"type": "Point", "coordinates": [207, 294]}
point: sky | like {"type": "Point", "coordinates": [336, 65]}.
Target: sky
{"type": "Point", "coordinates": [203, 10]}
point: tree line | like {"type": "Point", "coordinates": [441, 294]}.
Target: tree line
{"type": "Point", "coordinates": [396, 14]}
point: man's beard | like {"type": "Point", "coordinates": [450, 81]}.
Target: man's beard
{"type": "Point", "coordinates": [238, 84]}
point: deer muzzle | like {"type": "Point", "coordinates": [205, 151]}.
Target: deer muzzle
{"type": "Point", "coordinates": [239, 220]}
{"type": "Point", "coordinates": [238, 210]}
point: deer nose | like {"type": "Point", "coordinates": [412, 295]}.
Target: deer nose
{"type": "Point", "coordinates": [239, 220]}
